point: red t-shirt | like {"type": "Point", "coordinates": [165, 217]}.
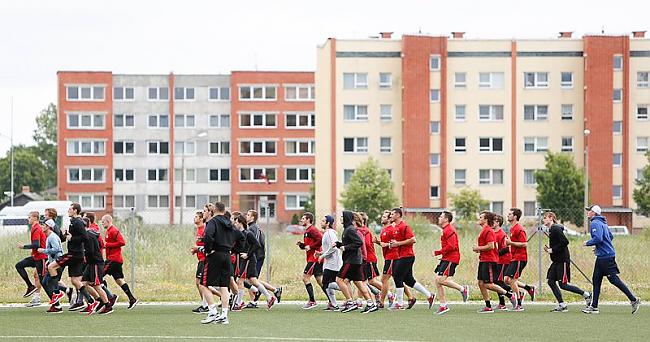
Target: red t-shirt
{"type": "Point", "coordinates": [199, 241]}
{"type": "Point", "coordinates": [518, 234]}
{"type": "Point", "coordinates": [449, 245]}
{"type": "Point", "coordinates": [114, 243]}
{"type": "Point", "coordinates": [387, 234]}
{"type": "Point", "coordinates": [404, 232]}
{"type": "Point", "coordinates": [313, 239]}
{"type": "Point", "coordinates": [371, 255]}
{"type": "Point", "coordinates": [36, 233]}
{"type": "Point", "coordinates": [500, 236]}
{"type": "Point", "coordinates": [486, 236]}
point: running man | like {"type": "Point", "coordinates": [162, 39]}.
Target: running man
{"type": "Point", "coordinates": [331, 259]}
{"type": "Point", "coordinates": [449, 260]}
{"type": "Point", "coordinates": [36, 259]}
{"type": "Point", "coordinates": [114, 243]}
{"type": "Point", "coordinates": [311, 244]}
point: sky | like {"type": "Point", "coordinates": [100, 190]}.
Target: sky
{"type": "Point", "coordinates": [39, 38]}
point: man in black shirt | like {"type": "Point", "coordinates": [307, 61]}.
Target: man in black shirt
{"type": "Point", "coordinates": [560, 269]}
{"type": "Point", "coordinates": [94, 275]}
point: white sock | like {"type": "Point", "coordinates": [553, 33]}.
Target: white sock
{"type": "Point", "coordinates": [240, 296]}
{"type": "Point", "coordinates": [37, 296]}
{"type": "Point", "coordinates": [400, 295]}
{"type": "Point", "coordinates": [422, 289]}
{"type": "Point", "coordinates": [586, 294]}
{"type": "Point", "coordinates": [265, 292]}
{"type": "Point", "coordinates": [334, 286]}
{"type": "Point", "coordinates": [331, 296]}
{"type": "Point", "coordinates": [224, 313]}
{"type": "Point", "coordinates": [563, 305]}
{"type": "Point", "coordinates": [443, 305]}
{"type": "Point", "coordinates": [254, 288]}
{"type": "Point", "coordinates": [212, 309]}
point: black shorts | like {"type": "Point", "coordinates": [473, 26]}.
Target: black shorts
{"type": "Point", "coordinates": [388, 267]}
{"type": "Point", "coordinates": [114, 269]}
{"type": "Point", "coordinates": [217, 270]}
{"type": "Point", "coordinates": [329, 276]}
{"type": "Point", "coordinates": [74, 263]}
{"type": "Point", "coordinates": [94, 274]}
{"type": "Point", "coordinates": [486, 271]}
{"type": "Point", "coordinates": [313, 268]}
{"type": "Point", "coordinates": [514, 269]}
{"type": "Point", "coordinates": [352, 272]}
{"type": "Point", "coordinates": [258, 266]}
{"type": "Point", "coordinates": [446, 268]}
{"type": "Point", "coordinates": [606, 266]}
{"type": "Point", "coordinates": [559, 271]}
{"type": "Point", "coordinates": [247, 268]}
{"type": "Point", "coordinates": [500, 270]}
{"type": "Point", "coordinates": [199, 269]}
{"type": "Point", "coordinates": [370, 270]}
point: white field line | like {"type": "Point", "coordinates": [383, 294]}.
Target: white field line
{"type": "Point", "coordinates": [139, 337]}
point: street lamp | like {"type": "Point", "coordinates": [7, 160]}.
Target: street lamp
{"type": "Point", "coordinates": [201, 134]}
{"type": "Point", "coordinates": [586, 161]}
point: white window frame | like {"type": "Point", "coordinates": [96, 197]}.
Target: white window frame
{"type": "Point", "coordinates": [347, 180]}
{"type": "Point", "coordinates": [642, 117]}
{"type": "Point", "coordinates": [124, 143]}
{"type": "Point", "coordinates": [188, 172]}
{"type": "Point", "coordinates": [220, 94]}
{"type": "Point", "coordinates": [357, 80]}
{"type": "Point", "coordinates": [492, 114]}
{"type": "Point", "coordinates": [434, 62]}
{"type": "Point", "coordinates": [124, 177]}
{"type": "Point", "coordinates": [95, 150]}
{"type": "Point", "coordinates": [617, 130]}
{"type": "Point", "coordinates": [264, 169]}
{"type": "Point", "coordinates": [458, 149]}
{"type": "Point", "coordinates": [81, 115]}
{"type": "Point", "coordinates": [93, 170]}
{"type": "Point", "coordinates": [434, 127]}
{"type": "Point", "coordinates": [252, 142]}
{"type": "Point", "coordinates": [527, 204]}
{"type": "Point", "coordinates": [264, 89]}
{"type": "Point", "coordinates": [253, 115]}
{"type": "Point", "coordinates": [158, 202]}
{"type": "Point", "coordinates": [437, 190]}
{"type": "Point", "coordinates": [159, 174]}
{"type": "Point", "coordinates": [221, 118]}
{"type": "Point", "coordinates": [225, 199]}
{"type": "Point", "coordinates": [536, 83]}
{"type": "Point", "coordinates": [298, 197]}
{"type": "Point", "coordinates": [220, 173]}
{"type": "Point", "coordinates": [123, 91]}
{"type": "Point", "coordinates": [159, 92]}
{"type": "Point", "coordinates": [357, 147]}
{"type": "Point", "coordinates": [178, 201]}
{"type": "Point", "coordinates": [490, 180]}
{"type": "Point", "coordinates": [158, 120]}
{"type": "Point", "coordinates": [310, 116]}
{"type": "Point", "coordinates": [220, 147]}
{"type": "Point", "coordinates": [94, 199]}
{"type": "Point", "coordinates": [385, 148]}
{"type": "Point", "coordinates": [91, 87]}
{"type": "Point", "coordinates": [566, 84]}
{"type": "Point", "coordinates": [386, 116]}
{"type": "Point", "coordinates": [355, 112]}
{"type": "Point", "coordinates": [180, 148]}
{"type": "Point", "coordinates": [530, 172]}
{"type": "Point", "coordinates": [311, 92]}
{"type": "Point", "coordinates": [642, 83]}
{"type": "Point", "coordinates": [617, 159]}
{"type": "Point", "coordinates": [185, 118]}
{"type": "Point", "coordinates": [299, 169]}
{"type": "Point", "coordinates": [490, 147]}
{"type": "Point", "coordinates": [434, 95]}
{"type": "Point", "coordinates": [615, 92]}
{"type": "Point", "coordinates": [158, 144]}
{"type": "Point", "coordinates": [458, 180]}
{"type": "Point", "coordinates": [460, 84]}
{"type": "Point", "coordinates": [617, 62]}
{"type": "Point", "coordinates": [457, 113]}
{"type": "Point", "coordinates": [536, 142]}
{"type": "Point", "coordinates": [491, 83]}
{"type": "Point", "coordinates": [124, 120]}
{"type": "Point", "coordinates": [124, 201]}
{"type": "Point", "coordinates": [639, 175]}
{"type": "Point", "coordinates": [617, 191]}
{"type": "Point", "coordinates": [640, 145]}
{"type": "Point", "coordinates": [389, 83]}
{"type": "Point", "coordinates": [564, 117]}
{"type": "Point", "coordinates": [566, 148]}
{"type": "Point", "coordinates": [298, 144]}
{"type": "Point", "coordinates": [537, 116]}
{"type": "Point", "coordinates": [186, 92]}
{"type": "Point", "coordinates": [434, 159]}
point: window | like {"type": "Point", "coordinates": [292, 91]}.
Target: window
{"type": "Point", "coordinates": [642, 144]}
{"type": "Point", "coordinates": [492, 80]}
{"type": "Point", "coordinates": [460, 176]}
{"type": "Point", "coordinates": [386, 112]}
{"type": "Point", "coordinates": [536, 79]}
{"type": "Point", "coordinates": [86, 148]}
{"type": "Point", "coordinates": [85, 120]}
{"type": "Point", "coordinates": [347, 175]}
{"type": "Point", "coordinates": [184, 148]}
{"type": "Point", "coordinates": [155, 201]}
{"type": "Point", "coordinates": [225, 199]}
{"type": "Point", "coordinates": [355, 112]}
{"type": "Point", "coordinates": [299, 174]}
{"type": "Point", "coordinates": [299, 147]}
{"type": "Point", "coordinates": [434, 159]}
{"type": "Point", "coordinates": [459, 114]}
{"type": "Point", "coordinates": [530, 208]}
{"type": "Point", "coordinates": [219, 121]}
{"type": "Point", "coordinates": [299, 92]}
{"type": "Point", "coordinates": [434, 62]}
{"type": "Point", "coordinates": [158, 121]}
{"type": "Point", "coordinates": [434, 127]}
{"type": "Point", "coordinates": [257, 147]}
{"type": "Point", "coordinates": [253, 120]}
{"type": "Point", "coordinates": [566, 80]}
{"type": "Point", "coordinates": [124, 120]}
{"type": "Point", "coordinates": [257, 174]}
{"type": "Point", "coordinates": [86, 175]}
{"type": "Point", "coordinates": [617, 159]}
{"type": "Point", "coordinates": [219, 147]}
{"type": "Point", "coordinates": [123, 93]}
{"type": "Point", "coordinates": [190, 201]}
{"type": "Point", "coordinates": [490, 144]}
{"type": "Point", "coordinates": [460, 80]}
{"type": "Point", "coordinates": [124, 175]}
{"type": "Point", "coordinates": [617, 127]}
{"type": "Point", "coordinates": [183, 93]}
{"type": "Point", "coordinates": [435, 95]}
{"type": "Point", "coordinates": [157, 175]}
{"type": "Point", "coordinates": [642, 112]}
{"type": "Point", "coordinates": [190, 175]}
{"type": "Point", "coordinates": [85, 93]}
{"type": "Point", "coordinates": [219, 175]}
{"type": "Point", "coordinates": [529, 177]}
{"type": "Point", "coordinates": [617, 191]}
{"type": "Point", "coordinates": [300, 120]}
{"type": "Point", "coordinates": [184, 121]}
{"type": "Point", "coordinates": [567, 144]}
{"type": "Point", "coordinates": [434, 192]}
{"type": "Point", "coordinates": [355, 80]}
{"type": "Point", "coordinates": [89, 201]}
{"type": "Point", "coordinates": [639, 175]}
{"type": "Point", "coordinates": [617, 95]}
{"type": "Point", "coordinates": [296, 202]}
{"type": "Point", "coordinates": [158, 94]}
{"type": "Point", "coordinates": [158, 147]}
{"type": "Point", "coordinates": [642, 79]}
{"type": "Point", "coordinates": [358, 145]}
{"type": "Point", "coordinates": [460, 145]}
{"type": "Point", "coordinates": [124, 147]}
{"type": "Point", "coordinates": [567, 112]}
{"type": "Point", "coordinates": [535, 144]}
{"type": "Point", "coordinates": [536, 112]}
{"type": "Point", "coordinates": [618, 63]}
{"type": "Point", "coordinates": [385, 145]}
{"type": "Point", "coordinates": [123, 201]}
{"type": "Point", "coordinates": [258, 93]}
{"type": "Point", "coordinates": [218, 94]}
{"type": "Point", "coordinates": [490, 176]}
{"type": "Point", "coordinates": [385, 80]}
{"type": "Point", "coordinates": [490, 112]}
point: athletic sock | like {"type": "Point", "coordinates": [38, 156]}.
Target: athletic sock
{"type": "Point", "coordinates": [265, 292]}
{"type": "Point", "coordinates": [373, 289]}
{"type": "Point", "coordinates": [331, 296]}
{"type": "Point", "coordinates": [400, 295]}
{"type": "Point", "coordinates": [527, 287]}
{"type": "Point", "coordinates": [502, 300]}
{"type": "Point", "coordinates": [224, 312]}
{"type": "Point", "coordinates": [334, 286]}
{"type": "Point", "coordinates": [255, 289]}
{"type": "Point", "coordinates": [84, 294]}
{"type": "Point", "coordinates": [488, 304]}
{"type": "Point", "coordinates": [125, 288]}
{"type": "Point", "coordinates": [423, 290]}
{"type": "Point", "coordinates": [212, 309]}
{"type": "Point", "coordinates": [310, 292]}
{"type": "Point", "coordinates": [240, 296]}
{"type": "Point", "coordinates": [108, 292]}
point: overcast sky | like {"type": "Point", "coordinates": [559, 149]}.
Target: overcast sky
{"type": "Point", "coordinates": [38, 38]}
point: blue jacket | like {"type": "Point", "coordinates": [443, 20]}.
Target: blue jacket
{"type": "Point", "coordinates": [601, 237]}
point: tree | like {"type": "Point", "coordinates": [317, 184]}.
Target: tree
{"type": "Point", "coordinates": [28, 170]}
{"type": "Point", "coordinates": [310, 205]}
{"type": "Point", "coordinates": [45, 138]}
{"type": "Point", "coordinates": [641, 193]}
{"type": "Point", "coordinates": [370, 190]}
{"type": "Point", "coordinates": [467, 203]}
{"type": "Point", "coordinates": [560, 187]}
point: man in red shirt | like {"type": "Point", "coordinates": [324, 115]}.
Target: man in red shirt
{"type": "Point", "coordinates": [311, 244]}
{"type": "Point", "coordinates": [114, 243]}
{"type": "Point", "coordinates": [517, 242]}
{"type": "Point", "coordinates": [200, 255]}
{"type": "Point", "coordinates": [370, 270]}
{"type": "Point", "coordinates": [449, 260]}
{"type": "Point", "coordinates": [403, 273]}
{"type": "Point", "coordinates": [504, 258]}
{"type": "Point", "coordinates": [38, 260]}
{"type": "Point", "coordinates": [387, 234]}
{"type": "Point", "coordinates": [488, 258]}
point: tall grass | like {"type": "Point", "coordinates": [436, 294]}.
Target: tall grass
{"type": "Point", "coordinates": [165, 268]}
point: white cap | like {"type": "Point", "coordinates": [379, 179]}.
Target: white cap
{"type": "Point", "coordinates": [595, 208]}
{"type": "Point", "coordinates": [50, 223]}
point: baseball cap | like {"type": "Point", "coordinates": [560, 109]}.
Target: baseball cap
{"type": "Point", "coordinates": [595, 208]}
{"type": "Point", "coordinates": [329, 219]}
{"type": "Point", "coordinates": [50, 223]}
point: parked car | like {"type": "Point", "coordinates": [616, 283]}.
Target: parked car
{"type": "Point", "coordinates": [571, 232]}
{"type": "Point", "coordinates": [619, 230]}
{"type": "Point", "coordinates": [295, 229]}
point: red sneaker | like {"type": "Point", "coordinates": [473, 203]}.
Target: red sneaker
{"type": "Point", "coordinates": [486, 310]}
{"type": "Point", "coordinates": [107, 309]}
{"type": "Point", "coordinates": [91, 307]}
{"type": "Point", "coordinates": [271, 302]}
{"type": "Point", "coordinates": [442, 310]}
{"type": "Point", "coordinates": [411, 302]}
{"type": "Point", "coordinates": [54, 309]}
{"type": "Point", "coordinates": [431, 299]}
{"type": "Point", "coordinates": [56, 297]}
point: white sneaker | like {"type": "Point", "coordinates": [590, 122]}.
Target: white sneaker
{"type": "Point", "coordinates": [210, 318]}
{"type": "Point", "coordinates": [36, 301]}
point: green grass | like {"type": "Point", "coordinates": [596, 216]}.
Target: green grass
{"type": "Point", "coordinates": [147, 323]}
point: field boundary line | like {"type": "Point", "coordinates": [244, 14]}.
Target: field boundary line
{"type": "Point", "coordinates": [262, 338]}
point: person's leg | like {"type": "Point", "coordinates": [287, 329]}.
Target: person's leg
{"type": "Point", "coordinates": [20, 268]}
{"type": "Point", "coordinates": [597, 280]}
{"type": "Point", "coordinates": [616, 281]}
{"type": "Point", "coordinates": [556, 291]}
{"type": "Point", "coordinates": [442, 298]}
{"type": "Point", "coordinates": [344, 288]}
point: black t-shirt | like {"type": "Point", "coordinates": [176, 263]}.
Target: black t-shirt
{"type": "Point", "coordinates": [559, 244]}
{"type": "Point", "coordinates": [78, 236]}
{"type": "Point", "coordinates": [93, 251]}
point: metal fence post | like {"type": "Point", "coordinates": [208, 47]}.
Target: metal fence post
{"type": "Point", "coordinates": [132, 243]}
{"type": "Point", "coordinates": [266, 248]}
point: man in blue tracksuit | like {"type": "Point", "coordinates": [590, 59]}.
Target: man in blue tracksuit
{"type": "Point", "coordinates": [601, 239]}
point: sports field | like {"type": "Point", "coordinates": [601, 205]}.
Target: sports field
{"type": "Point", "coordinates": [289, 322]}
